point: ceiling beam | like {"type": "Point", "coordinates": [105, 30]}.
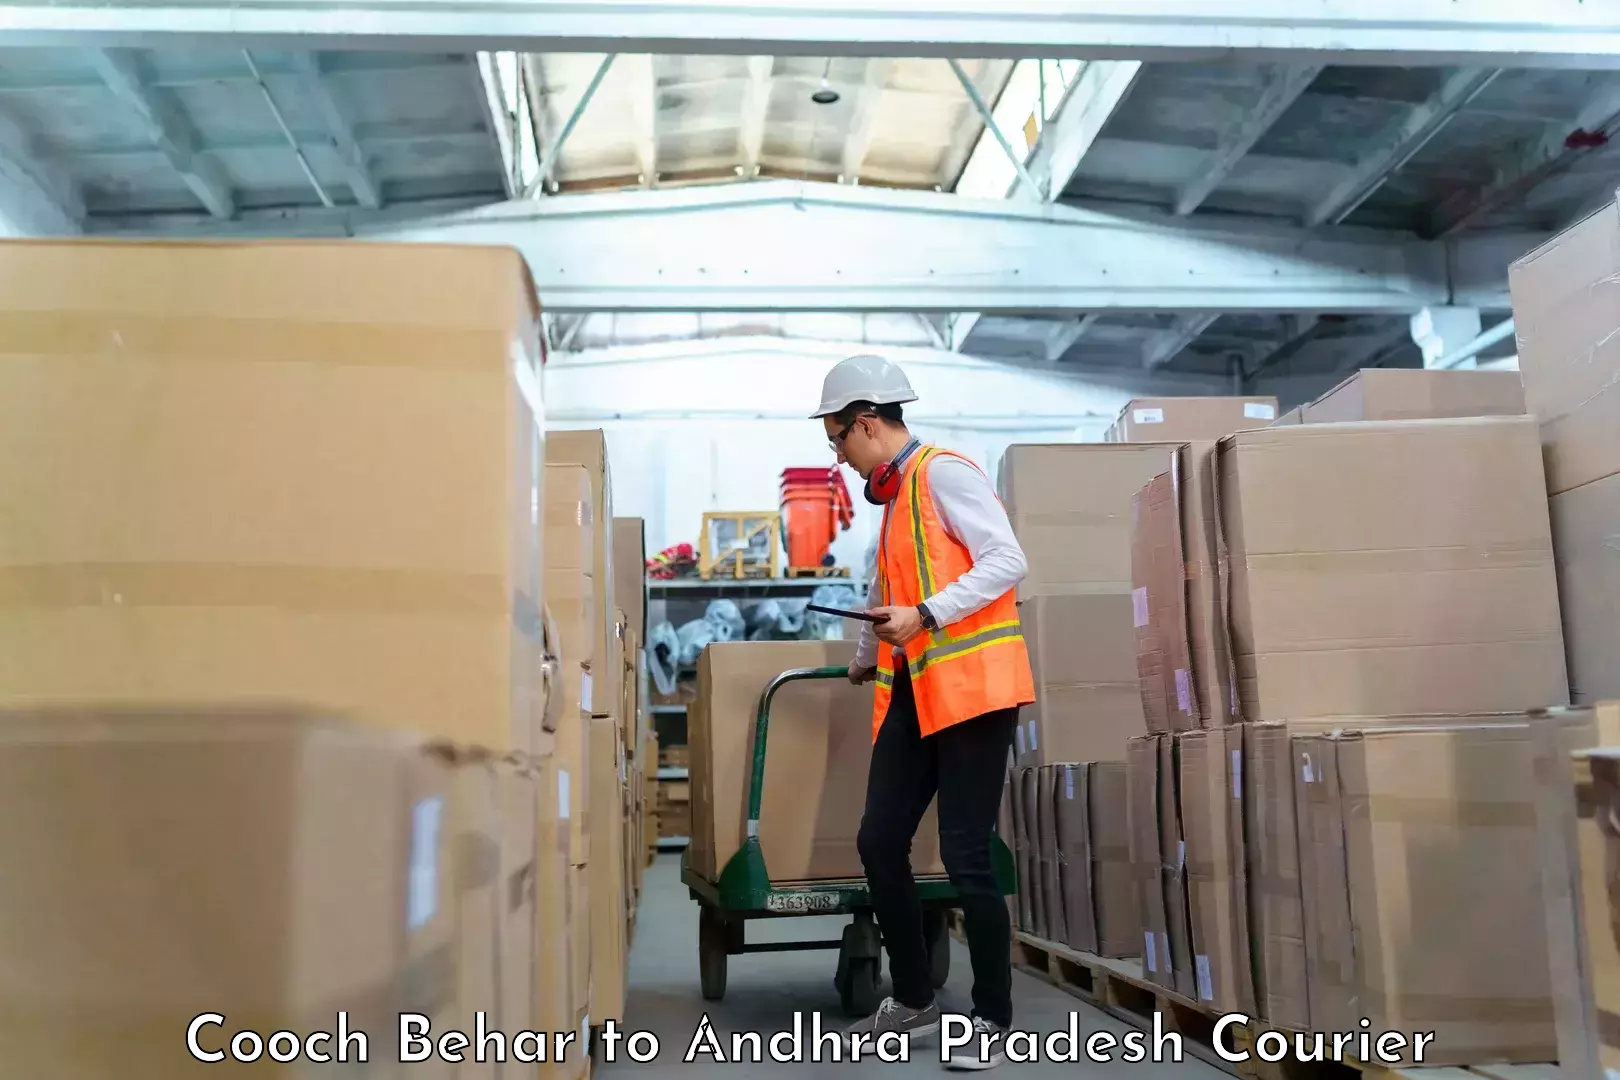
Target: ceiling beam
{"type": "Point", "coordinates": [1494, 33]}
{"type": "Point", "coordinates": [168, 129]}
{"type": "Point", "coordinates": [1397, 146]}
{"type": "Point", "coordinates": [1072, 131]}
{"type": "Point", "coordinates": [312, 78]}
{"type": "Point", "coordinates": [1067, 334]}
{"type": "Point", "coordinates": [961, 324]}
{"type": "Point", "coordinates": [756, 110]}
{"type": "Point", "coordinates": [1538, 162]}
{"type": "Point", "coordinates": [863, 118]}
{"type": "Point", "coordinates": [1283, 86]}
{"type": "Point", "coordinates": [35, 195]}
{"type": "Point", "coordinates": [642, 80]}
{"type": "Point", "coordinates": [1168, 344]}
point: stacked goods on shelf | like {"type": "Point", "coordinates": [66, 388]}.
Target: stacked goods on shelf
{"type": "Point", "coordinates": [228, 507]}
{"type": "Point", "coordinates": [630, 594]}
{"type": "Point", "coordinates": [650, 827]}
{"type": "Point", "coordinates": [816, 756]}
{"type": "Point", "coordinates": [1569, 359]}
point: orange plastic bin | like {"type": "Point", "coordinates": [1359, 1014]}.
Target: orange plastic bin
{"type": "Point", "coordinates": [815, 507]}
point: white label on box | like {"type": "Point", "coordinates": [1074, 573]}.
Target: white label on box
{"type": "Point", "coordinates": [1148, 416]}
{"type": "Point", "coordinates": [585, 691]}
{"type": "Point", "coordinates": [1148, 951]}
{"type": "Point", "coordinates": [1139, 607]}
{"type": "Point", "coordinates": [1020, 734]}
{"type": "Point", "coordinates": [1259, 410]}
{"type": "Point", "coordinates": [1206, 985]}
{"type": "Point", "coordinates": [1237, 774]}
{"type": "Point", "coordinates": [1181, 854]}
{"type": "Point", "coordinates": [1032, 744]}
{"type": "Point", "coordinates": [422, 891]}
{"type": "Point", "coordinates": [1068, 782]}
{"type": "Point", "coordinates": [1183, 691]}
{"type": "Point", "coordinates": [564, 805]}
{"type": "Point", "coordinates": [1307, 773]}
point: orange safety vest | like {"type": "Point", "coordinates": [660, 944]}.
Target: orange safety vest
{"type": "Point", "coordinates": [967, 669]}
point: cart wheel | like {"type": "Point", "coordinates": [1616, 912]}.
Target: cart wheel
{"type": "Point", "coordinates": [858, 977]}
{"type": "Point", "coordinates": [938, 935]}
{"type": "Point", "coordinates": [712, 932]}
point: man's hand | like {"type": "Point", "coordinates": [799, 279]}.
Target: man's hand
{"type": "Point", "coordinates": [859, 673]}
{"type": "Point", "coordinates": [899, 624]}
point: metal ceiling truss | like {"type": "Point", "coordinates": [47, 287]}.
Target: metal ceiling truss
{"type": "Point", "coordinates": [1487, 33]}
{"type": "Point", "coordinates": [792, 246]}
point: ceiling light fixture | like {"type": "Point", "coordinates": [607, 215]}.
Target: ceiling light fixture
{"type": "Point", "coordinates": [825, 94]}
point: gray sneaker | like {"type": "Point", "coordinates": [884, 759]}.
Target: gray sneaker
{"type": "Point", "coordinates": [976, 1056]}
{"type": "Point", "coordinates": [893, 1016]}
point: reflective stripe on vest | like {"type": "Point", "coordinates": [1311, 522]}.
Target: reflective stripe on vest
{"type": "Point", "coordinates": [975, 666]}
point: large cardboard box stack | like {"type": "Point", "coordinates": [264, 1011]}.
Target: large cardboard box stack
{"type": "Point", "coordinates": [1415, 394]}
{"type": "Point", "coordinates": [1424, 905]}
{"type": "Point", "coordinates": [1158, 855]}
{"type": "Point", "coordinates": [1210, 790]}
{"type": "Point", "coordinates": [1390, 568]}
{"type": "Point", "coordinates": [817, 751]}
{"type": "Point", "coordinates": [348, 890]}
{"type": "Point", "coordinates": [630, 594]}
{"type": "Point", "coordinates": [588, 450]}
{"type": "Point", "coordinates": [291, 471]}
{"type": "Point", "coordinates": [608, 900]}
{"type": "Point", "coordinates": [1185, 419]}
{"type": "Point", "coordinates": [1070, 506]}
{"type": "Point", "coordinates": [1565, 318]}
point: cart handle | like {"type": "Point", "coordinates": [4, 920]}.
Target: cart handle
{"type": "Point", "coordinates": [756, 781]}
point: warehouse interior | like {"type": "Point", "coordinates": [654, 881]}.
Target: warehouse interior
{"type": "Point", "coordinates": [447, 369]}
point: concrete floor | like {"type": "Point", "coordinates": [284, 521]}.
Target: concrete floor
{"type": "Point", "coordinates": [764, 990]}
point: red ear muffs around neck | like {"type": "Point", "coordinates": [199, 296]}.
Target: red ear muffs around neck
{"type": "Point", "coordinates": [884, 485]}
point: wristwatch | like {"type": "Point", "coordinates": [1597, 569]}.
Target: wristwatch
{"type": "Point", "coordinates": [928, 620]}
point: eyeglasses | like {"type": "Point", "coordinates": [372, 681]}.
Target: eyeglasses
{"type": "Point", "coordinates": [836, 443]}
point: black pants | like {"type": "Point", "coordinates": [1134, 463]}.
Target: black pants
{"type": "Point", "coordinates": [966, 765]}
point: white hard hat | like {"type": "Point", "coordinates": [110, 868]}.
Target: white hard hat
{"type": "Point", "coordinates": [863, 378]}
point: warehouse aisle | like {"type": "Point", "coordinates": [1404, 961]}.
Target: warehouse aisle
{"type": "Point", "coordinates": [764, 991]}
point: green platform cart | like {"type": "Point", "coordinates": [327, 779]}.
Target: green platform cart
{"type": "Point", "coordinates": [745, 892]}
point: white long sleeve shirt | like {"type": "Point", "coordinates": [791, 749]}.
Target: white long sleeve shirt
{"type": "Point", "coordinates": [973, 516]}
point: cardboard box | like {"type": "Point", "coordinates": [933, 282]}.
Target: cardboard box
{"type": "Point", "coordinates": [228, 502]}
{"type": "Point", "coordinates": [1596, 784]}
{"type": "Point", "coordinates": [1569, 838]}
{"type": "Point", "coordinates": [1147, 852]}
{"type": "Point", "coordinates": [1047, 791]}
{"type": "Point", "coordinates": [1585, 522]}
{"type": "Point", "coordinates": [588, 449]}
{"type": "Point", "coordinates": [571, 593]}
{"type": "Point", "coordinates": [1390, 568]}
{"type": "Point", "coordinates": [1441, 888]}
{"type": "Point", "coordinates": [1070, 505]}
{"type": "Point", "coordinates": [609, 947]}
{"type": "Point", "coordinates": [630, 571]}
{"type": "Point", "coordinates": [1183, 419]}
{"type": "Point", "coordinates": [1212, 797]}
{"type": "Point", "coordinates": [1418, 394]}
{"type": "Point", "coordinates": [582, 919]}
{"type": "Point", "coordinates": [1296, 415]}
{"type": "Point", "coordinates": [1159, 609]}
{"type": "Point", "coordinates": [817, 754]}
{"type": "Point", "coordinates": [1023, 846]}
{"type": "Point", "coordinates": [340, 892]}
{"type": "Point", "coordinates": [518, 794]}
{"type": "Point", "coordinates": [554, 862]}
{"type": "Point", "coordinates": [1173, 853]}
{"type": "Point", "coordinates": [1119, 920]}
{"type": "Point", "coordinates": [1097, 886]}
{"type": "Point", "coordinates": [1565, 317]}
{"type": "Point", "coordinates": [1088, 698]}
{"type": "Point", "coordinates": [474, 821]}
{"type": "Point", "coordinates": [1208, 638]}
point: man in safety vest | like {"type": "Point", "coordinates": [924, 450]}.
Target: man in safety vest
{"type": "Point", "coordinates": [951, 671]}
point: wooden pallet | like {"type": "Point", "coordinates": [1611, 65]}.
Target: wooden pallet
{"type": "Point", "coordinates": [818, 572]}
{"type": "Point", "coordinates": [1121, 989]}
